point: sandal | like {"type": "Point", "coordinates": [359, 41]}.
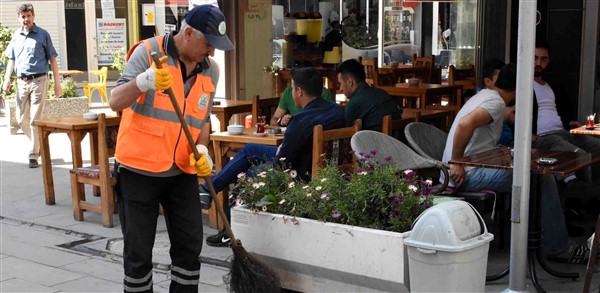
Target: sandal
{"type": "Point", "coordinates": [575, 254]}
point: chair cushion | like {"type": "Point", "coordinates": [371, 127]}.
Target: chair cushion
{"type": "Point", "coordinates": [90, 171]}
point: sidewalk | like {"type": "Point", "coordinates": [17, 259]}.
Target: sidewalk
{"type": "Point", "coordinates": [43, 249]}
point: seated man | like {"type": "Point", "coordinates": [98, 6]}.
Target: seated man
{"type": "Point", "coordinates": [287, 107]}
{"type": "Point", "coordinates": [553, 113]}
{"type": "Point", "coordinates": [477, 128]}
{"type": "Point", "coordinates": [367, 103]}
{"type": "Point", "coordinates": [296, 148]}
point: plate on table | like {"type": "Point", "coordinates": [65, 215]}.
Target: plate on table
{"type": "Point", "coordinates": [259, 134]}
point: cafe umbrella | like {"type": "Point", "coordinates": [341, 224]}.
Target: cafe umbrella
{"type": "Point", "coordinates": [247, 274]}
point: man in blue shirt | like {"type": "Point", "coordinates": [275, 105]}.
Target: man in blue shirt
{"type": "Point", "coordinates": [28, 53]}
{"type": "Point", "coordinates": [296, 148]}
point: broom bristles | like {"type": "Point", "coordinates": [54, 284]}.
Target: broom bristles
{"type": "Point", "coordinates": [250, 275]}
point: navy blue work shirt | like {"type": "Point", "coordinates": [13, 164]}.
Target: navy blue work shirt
{"type": "Point", "coordinates": [31, 51]}
{"type": "Point", "coordinates": [297, 142]}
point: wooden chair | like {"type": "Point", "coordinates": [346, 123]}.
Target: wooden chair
{"type": "Point", "coordinates": [592, 265]}
{"type": "Point", "coordinates": [464, 77]}
{"type": "Point", "coordinates": [333, 145]}
{"type": "Point", "coordinates": [97, 175]}
{"type": "Point", "coordinates": [263, 107]}
{"type": "Point", "coordinates": [428, 62]}
{"type": "Point", "coordinates": [395, 127]}
{"type": "Point", "coordinates": [372, 75]}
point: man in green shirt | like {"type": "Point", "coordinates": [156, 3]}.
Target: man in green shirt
{"type": "Point", "coordinates": [367, 103]}
{"type": "Point", "coordinates": [287, 107]}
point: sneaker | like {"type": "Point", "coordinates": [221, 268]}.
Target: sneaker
{"type": "Point", "coordinates": [33, 163]}
{"type": "Point", "coordinates": [574, 254]}
{"type": "Point", "coordinates": [205, 198]}
{"type": "Point", "coordinates": [220, 239]}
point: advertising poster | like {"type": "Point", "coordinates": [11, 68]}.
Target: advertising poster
{"type": "Point", "coordinates": [111, 36]}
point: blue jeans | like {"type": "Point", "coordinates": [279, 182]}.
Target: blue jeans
{"type": "Point", "coordinates": [554, 230]}
{"type": "Point", "coordinates": [250, 155]}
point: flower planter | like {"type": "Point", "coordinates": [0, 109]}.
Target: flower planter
{"type": "Point", "coordinates": [310, 255]}
{"type": "Point", "coordinates": [65, 107]}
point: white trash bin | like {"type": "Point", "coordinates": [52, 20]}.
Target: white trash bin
{"type": "Point", "coordinates": [447, 249]}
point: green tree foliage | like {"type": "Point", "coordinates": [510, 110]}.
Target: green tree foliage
{"type": "Point", "coordinates": [5, 37]}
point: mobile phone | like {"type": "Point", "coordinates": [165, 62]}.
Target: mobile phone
{"type": "Point", "coordinates": [547, 161]}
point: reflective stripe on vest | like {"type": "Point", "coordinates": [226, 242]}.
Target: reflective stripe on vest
{"type": "Point", "coordinates": [151, 138]}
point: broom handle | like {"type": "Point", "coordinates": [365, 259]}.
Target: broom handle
{"type": "Point", "coordinates": [188, 135]}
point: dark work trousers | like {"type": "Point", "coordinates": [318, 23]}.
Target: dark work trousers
{"type": "Point", "coordinates": [138, 200]}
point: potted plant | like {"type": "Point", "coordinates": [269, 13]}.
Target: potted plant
{"type": "Point", "coordinates": [339, 232]}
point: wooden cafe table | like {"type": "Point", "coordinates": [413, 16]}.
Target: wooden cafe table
{"type": "Point", "coordinates": [227, 145]}
{"type": "Point", "coordinates": [225, 109]}
{"type": "Point", "coordinates": [425, 92]}
{"type": "Point", "coordinates": [76, 128]}
{"type": "Point", "coordinates": [568, 163]}
{"type": "Point", "coordinates": [583, 130]}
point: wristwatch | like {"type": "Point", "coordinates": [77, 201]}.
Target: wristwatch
{"type": "Point", "coordinates": [279, 121]}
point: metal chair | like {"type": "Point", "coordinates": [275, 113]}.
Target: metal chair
{"type": "Point", "coordinates": [592, 266]}
{"type": "Point", "coordinates": [390, 149]}
{"type": "Point", "coordinates": [430, 142]}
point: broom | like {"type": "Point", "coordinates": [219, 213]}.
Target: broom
{"type": "Point", "coordinates": [247, 274]}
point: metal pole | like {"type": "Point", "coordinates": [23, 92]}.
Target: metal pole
{"type": "Point", "coordinates": [380, 34]}
{"type": "Point", "coordinates": [522, 154]}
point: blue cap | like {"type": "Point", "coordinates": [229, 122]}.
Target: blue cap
{"type": "Point", "coordinates": [211, 22]}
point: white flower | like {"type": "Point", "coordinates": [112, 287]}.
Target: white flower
{"type": "Point", "coordinates": [412, 187]}
{"type": "Point", "coordinates": [264, 208]}
{"type": "Point", "coordinates": [309, 194]}
{"type": "Point", "coordinates": [239, 201]}
{"type": "Point", "coordinates": [293, 173]}
{"type": "Point", "coordinates": [282, 201]}
{"type": "Point", "coordinates": [261, 184]}
{"type": "Point", "coordinates": [324, 179]}
{"type": "Point", "coordinates": [291, 185]}
{"type": "Point", "coordinates": [282, 159]}
{"type": "Point", "coordinates": [363, 173]}
{"type": "Point", "coordinates": [255, 185]}
{"type": "Point", "coordinates": [241, 175]}
{"type": "Point", "coordinates": [262, 174]}
{"type": "Point", "coordinates": [286, 170]}
{"type": "Point", "coordinates": [318, 188]}
{"type": "Point", "coordinates": [429, 182]}
{"type": "Point", "coordinates": [408, 171]}
{"type": "Point", "coordinates": [305, 187]}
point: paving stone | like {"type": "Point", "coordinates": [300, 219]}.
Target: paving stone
{"type": "Point", "coordinates": [20, 285]}
{"type": "Point", "coordinates": [4, 277]}
{"type": "Point", "coordinates": [3, 256]}
{"type": "Point", "coordinates": [38, 273]}
{"type": "Point", "coordinates": [89, 284]}
{"type": "Point", "coordinates": [106, 270]}
{"type": "Point", "coordinates": [37, 235]}
{"type": "Point", "coordinates": [212, 275]}
{"type": "Point", "coordinates": [39, 254]}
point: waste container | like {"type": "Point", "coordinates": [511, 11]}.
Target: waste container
{"type": "Point", "coordinates": [447, 249]}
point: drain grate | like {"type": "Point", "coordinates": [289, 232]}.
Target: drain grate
{"type": "Point", "coordinates": [161, 245]}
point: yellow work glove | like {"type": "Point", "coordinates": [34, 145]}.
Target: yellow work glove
{"type": "Point", "coordinates": [154, 78]}
{"type": "Point", "coordinates": [202, 166]}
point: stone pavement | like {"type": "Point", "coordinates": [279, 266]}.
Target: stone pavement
{"type": "Point", "coordinates": [42, 249]}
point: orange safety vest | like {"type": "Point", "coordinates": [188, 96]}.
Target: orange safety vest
{"type": "Point", "coordinates": [150, 136]}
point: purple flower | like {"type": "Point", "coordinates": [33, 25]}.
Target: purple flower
{"type": "Point", "coordinates": [335, 214]}
{"type": "Point", "coordinates": [324, 195]}
{"type": "Point", "coordinates": [351, 152]}
{"type": "Point", "coordinates": [387, 159]}
{"type": "Point", "coordinates": [374, 152]}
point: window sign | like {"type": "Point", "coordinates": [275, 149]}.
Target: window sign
{"type": "Point", "coordinates": [113, 33]}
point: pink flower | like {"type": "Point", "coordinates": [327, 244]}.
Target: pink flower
{"type": "Point", "coordinates": [324, 195]}
{"type": "Point", "coordinates": [335, 214]}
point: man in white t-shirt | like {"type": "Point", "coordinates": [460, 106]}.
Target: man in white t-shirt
{"type": "Point", "coordinates": [553, 113]}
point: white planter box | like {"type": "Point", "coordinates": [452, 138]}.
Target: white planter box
{"type": "Point", "coordinates": [314, 256]}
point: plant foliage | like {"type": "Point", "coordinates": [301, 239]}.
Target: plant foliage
{"type": "Point", "coordinates": [377, 196]}
{"type": "Point", "coordinates": [5, 37]}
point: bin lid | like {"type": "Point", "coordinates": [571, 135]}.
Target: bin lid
{"type": "Point", "coordinates": [449, 226]}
